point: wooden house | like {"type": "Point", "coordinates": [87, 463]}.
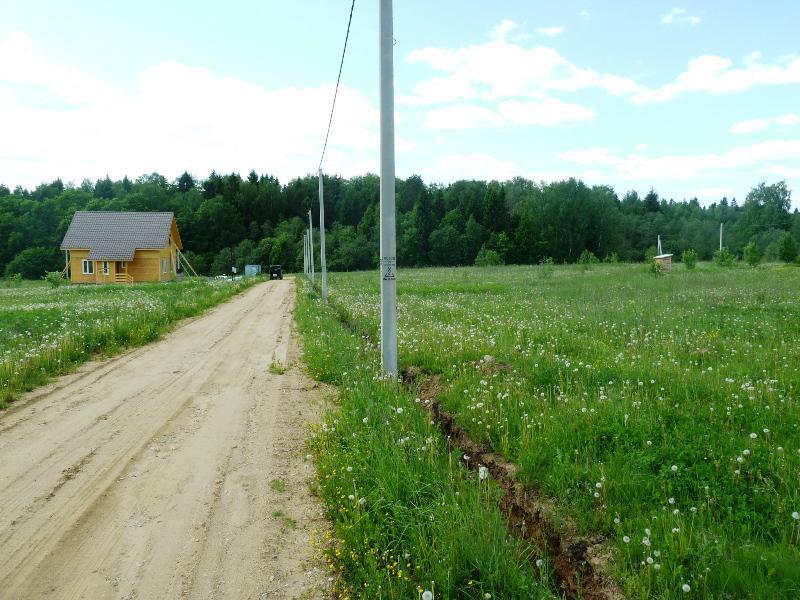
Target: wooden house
{"type": "Point", "coordinates": [122, 247]}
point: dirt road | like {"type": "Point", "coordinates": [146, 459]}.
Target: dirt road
{"type": "Point", "coordinates": [176, 470]}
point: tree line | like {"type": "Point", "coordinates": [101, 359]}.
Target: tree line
{"type": "Point", "coordinates": [227, 220]}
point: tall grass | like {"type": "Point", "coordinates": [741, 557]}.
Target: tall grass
{"type": "Point", "coordinates": [661, 412]}
{"type": "Point", "coordinates": [407, 516]}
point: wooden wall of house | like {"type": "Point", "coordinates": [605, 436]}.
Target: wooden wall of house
{"type": "Point", "coordinates": [146, 265]}
{"type": "Point", "coordinates": [76, 258]}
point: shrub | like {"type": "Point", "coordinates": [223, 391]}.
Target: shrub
{"type": "Point", "coordinates": [587, 259]}
{"type": "Point", "coordinates": [53, 278]}
{"type": "Point", "coordinates": [723, 258]}
{"type": "Point", "coordinates": [611, 258]}
{"type": "Point", "coordinates": [487, 258]}
{"type": "Point", "coordinates": [32, 262]}
{"type": "Point", "coordinates": [655, 268]}
{"type": "Point", "coordinates": [752, 255]}
{"type": "Point", "coordinates": [787, 248]}
{"type": "Point", "coordinates": [690, 259]}
{"type": "Point", "coordinates": [546, 268]}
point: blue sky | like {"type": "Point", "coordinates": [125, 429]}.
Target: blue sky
{"type": "Point", "coordinates": [692, 98]}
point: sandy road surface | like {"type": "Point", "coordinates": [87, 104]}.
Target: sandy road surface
{"type": "Point", "coordinates": [176, 470]}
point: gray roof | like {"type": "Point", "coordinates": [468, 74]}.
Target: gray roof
{"type": "Point", "coordinates": [117, 235]}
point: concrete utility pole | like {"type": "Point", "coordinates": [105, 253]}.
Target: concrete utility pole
{"type": "Point", "coordinates": [322, 262]}
{"type": "Point", "coordinates": [311, 245]}
{"type": "Point", "coordinates": [305, 254]}
{"type": "Point", "coordinates": [388, 232]}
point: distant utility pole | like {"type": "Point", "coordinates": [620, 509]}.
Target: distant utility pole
{"type": "Point", "coordinates": [322, 263]}
{"type": "Point", "coordinates": [720, 237]}
{"type": "Point", "coordinates": [305, 253]}
{"type": "Point", "coordinates": [388, 241]}
{"type": "Point", "coordinates": [311, 245]}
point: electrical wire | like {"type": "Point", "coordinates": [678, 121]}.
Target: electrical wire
{"type": "Point", "coordinates": [338, 79]}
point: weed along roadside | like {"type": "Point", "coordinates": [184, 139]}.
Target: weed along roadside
{"type": "Point", "coordinates": [407, 515]}
{"type": "Point", "coordinates": [48, 331]}
{"type": "Point", "coordinates": [636, 448]}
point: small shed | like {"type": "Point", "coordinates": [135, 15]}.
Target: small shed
{"type": "Point", "coordinates": [122, 247]}
{"type": "Point", "coordinates": [665, 260]}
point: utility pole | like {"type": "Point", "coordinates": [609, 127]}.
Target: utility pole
{"type": "Point", "coordinates": [311, 245]}
{"type": "Point", "coordinates": [305, 254]}
{"type": "Point", "coordinates": [388, 246]}
{"type": "Point", "coordinates": [720, 237]}
{"type": "Point", "coordinates": [322, 263]}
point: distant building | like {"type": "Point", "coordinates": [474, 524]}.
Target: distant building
{"type": "Point", "coordinates": [665, 260]}
{"type": "Point", "coordinates": [122, 247]}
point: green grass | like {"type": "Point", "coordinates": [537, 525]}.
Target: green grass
{"type": "Point", "coordinates": [661, 412]}
{"type": "Point", "coordinates": [406, 515]}
{"type": "Point", "coordinates": [46, 331]}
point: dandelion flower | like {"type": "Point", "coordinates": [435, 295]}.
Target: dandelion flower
{"type": "Point", "coordinates": [753, 436]}
{"type": "Point", "coordinates": [427, 595]}
{"type": "Point", "coordinates": [674, 468]}
{"type": "Point", "coordinates": [686, 589]}
{"type": "Point", "coordinates": [539, 562]}
{"type": "Point", "coordinates": [796, 515]}
{"type": "Point", "coordinates": [626, 539]}
{"type": "Point", "coordinates": [483, 472]}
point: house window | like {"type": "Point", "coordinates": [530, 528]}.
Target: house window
{"type": "Point", "coordinates": [88, 267]}
{"type": "Point", "coordinates": [105, 267]}
{"type": "Point", "coordinates": [163, 265]}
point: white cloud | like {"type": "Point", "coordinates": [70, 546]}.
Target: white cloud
{"type": "Point", "coordinates": [756, 125]}
{"type": "Point", "coordinates": [506, 26]}
{"type": "Point", "coordinates": [463, 116]}
{"type": "Point", "coordinates": [471, 166]}
{"type": "Point", "coordinates": [591, 156]}
{"type": "Point", "coordinates": [501, 69]}
{"type": "Point", "coordinates": [550, 31]}
{"type": "Point", "coordinates": [174, 117]}
{"type": "Point", "coordinates": [678, 16]}
{"type": "Point", "coordinates": [21, 64]}
{"type": "Point", "coordinates": [776, 154]}
{"type": "Point", "coordinates": [712, 194]}
{"type": "Point", "coordinates": [717, 75]}
{"type": "Point", "coordinates": [544, 112]}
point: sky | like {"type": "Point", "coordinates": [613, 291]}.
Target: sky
{"type": "Point", "coordinates": [691, 98]}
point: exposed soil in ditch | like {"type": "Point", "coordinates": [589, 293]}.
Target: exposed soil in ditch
{"type": "Point", "coordinates": [578, 563]}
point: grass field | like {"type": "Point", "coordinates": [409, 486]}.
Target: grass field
{"type": "Point", "coordinates": [46, 331]}
{"type": "Point", "coordinates": [660, 412]}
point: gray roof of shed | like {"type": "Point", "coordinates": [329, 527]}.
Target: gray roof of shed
{"type": "Point", "coordinates": [117, 235]}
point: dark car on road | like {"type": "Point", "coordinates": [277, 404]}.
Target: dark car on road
{"type": "Point", "coordinates": [275, 272]}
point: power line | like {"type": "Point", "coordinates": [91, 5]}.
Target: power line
{"type": "Point", "coordinates": [338, 79]}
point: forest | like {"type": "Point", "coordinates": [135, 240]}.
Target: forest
{"type": "Point", "coordinates": [227, 220]}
